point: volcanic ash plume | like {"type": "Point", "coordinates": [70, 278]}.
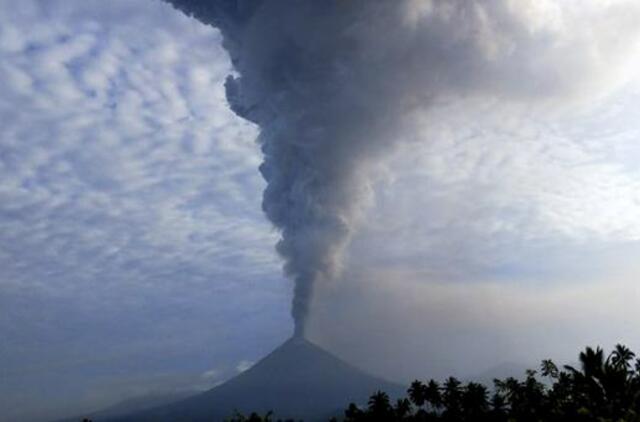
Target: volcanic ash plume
{"type": "Point", "coordinates": [334, 84]}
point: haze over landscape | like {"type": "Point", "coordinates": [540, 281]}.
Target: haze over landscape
{"type": "Point", "coordinates": [452, 187]}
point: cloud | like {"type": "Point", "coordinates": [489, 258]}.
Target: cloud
{"type": "Point", "coordinates": [338, 86]}
{"type": "Point", "coordinates": [495, 187]}
{"type": "Point", "coordinates": [417, 325]}
{"type": "Point", "coordinates": [243, 365]}
{"type": "Point", "coordinates": [109, 128]}
{"type": "Point", "coordinates": [119, 154]}
{"type": "Point", "coordinates": [129, 199]}
{"type": "Point", "coordinates": [510, 237]}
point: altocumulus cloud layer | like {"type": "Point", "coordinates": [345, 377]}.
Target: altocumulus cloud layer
{"type": "Point", "coordinates": [129, 199]}
{"type": "Point", "coordinates": [335, 86]}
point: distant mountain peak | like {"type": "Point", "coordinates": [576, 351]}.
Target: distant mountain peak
{"type": "Point", "coordinates": [298, 341]}
{"type": "Point", "coordinates": [298, 344]}
{"type": "Point", "coordinates": [298, 379]}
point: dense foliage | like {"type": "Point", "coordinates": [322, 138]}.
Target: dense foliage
{"type": "Point", "coordinates": [602, 389]}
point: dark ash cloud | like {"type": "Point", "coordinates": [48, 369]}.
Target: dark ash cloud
{"type": "Point", "coordinates": [334, 84]}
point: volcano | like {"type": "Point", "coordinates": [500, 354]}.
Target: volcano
{"type": "Point", "coordinates": [298, 380]}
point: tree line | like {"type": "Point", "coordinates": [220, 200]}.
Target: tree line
{"type": "Point", "coordinates": [604, 388]}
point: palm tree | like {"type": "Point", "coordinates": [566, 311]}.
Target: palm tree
{"type": "Point", "coordinates": [604, 390]}
{"type": "Point", "coordinates": [498, 407]}
{"type": "Point", "coordinates": [534, 393]}
{"type": "Point", "coordinates": [561, 397]}
{"type": "Point", "coordinates": [549, 369]}
{"type": "Point", "coordinates": [353, 413]}
{"type": "Point", "coordinates": [591, 361]}
{"type": "Point", "coordinates": [433, 396]}
{"type": "Point", "coordinates": [380, 407]}
{"type": "Point", "coordinates": [589, 391]}
{"type": "Point", "coordinates": [451, 399]}
{"type": "Point", "coordinates": [592, 367]}
{"type": "Point", "coordinates": [253, 417]}
{"type": "Point", "coordinates": [402, 409]}
{"type": "Point", "coordinates": [417, 393]}
{"type": "Point", "coordinates": [474, 400]}
{"type": "Point", "coordinates": [621, 357]}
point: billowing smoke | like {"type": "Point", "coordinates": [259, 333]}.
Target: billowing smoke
{"type": "Point", "coordinates": [334, 85]}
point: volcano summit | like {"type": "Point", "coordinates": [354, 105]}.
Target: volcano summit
{"type": "Point", "coordinates": [297, 380]}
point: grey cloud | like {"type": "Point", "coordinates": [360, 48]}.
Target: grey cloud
{"type": "Point", "coordinates": [404, 324]}
{"type": "Point", "coordinates": [334, 85]}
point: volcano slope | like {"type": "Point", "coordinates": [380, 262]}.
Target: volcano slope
{"type": "Point", "coordinates": [298, 380]}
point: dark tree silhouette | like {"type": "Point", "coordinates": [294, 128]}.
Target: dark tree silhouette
{"type": "Point", "coordinates": [475, 402]}
{"type": "Point", "coordinates": [603, 389]}
{"type": "Point", "coordinates": [451, 399]}
{"type": "Point", "coordinates": [417, 393]}
{"type": "Point", "coordinates": [380, 407]}
{"type": "Point", "coordinates": [433, 396]}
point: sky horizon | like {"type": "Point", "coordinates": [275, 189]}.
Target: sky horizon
{"type": "Point", "coordinates": [501, 227]}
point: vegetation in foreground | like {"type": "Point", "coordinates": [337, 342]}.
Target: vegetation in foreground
{"type": "Point", "coordinates": [602, 389]}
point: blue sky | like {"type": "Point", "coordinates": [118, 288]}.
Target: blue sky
{"type": "Point", "coordinates": [135, 258]}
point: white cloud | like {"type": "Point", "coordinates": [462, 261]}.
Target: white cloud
{"type": "Point", "coordinates": [243, 365]}
{"type": "Point", "coordinates": [118, 147]}
{"type": "Point", "coordinates": [129, 199]}
{"type": "Point", "coordinates": [496, 185]}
